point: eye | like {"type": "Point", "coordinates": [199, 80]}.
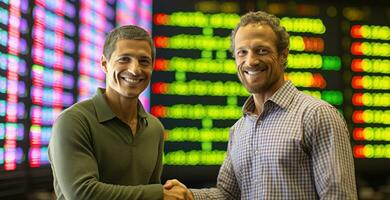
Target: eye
{"type": "Point", "coordinates": [262, 51]}
{"type": "Point", "coordinates": [241, 53]}
{"type": "Point", "coordinates": [145, 61]}
{"type": "Point", "coordinates": [123, 59]}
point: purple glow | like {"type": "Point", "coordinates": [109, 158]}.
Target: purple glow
{"type": "Point", "coordinates": [24, 6]}
{"type": "Point", "coordinates": [19, 155]}
{"type": "Point", "coordinates": [68, 63]}
{"type": "Point", "coordinates": [69, 28]}
{"type": "Point", "coordinates": [70, 11]}
{"type": "Point", "coordinates": [23, 46]}
{"type": "Point", "coordinates": [68, 81]}
{"type": "Point", "coordinates": [24, 26]}
{"type": "Point", "coordinates": [69, 45]}
{"type": "Point", "coordinates": [21, 110]}
{"type": "Point", "coordinates": [67, 99]}
{"type": "Point", "coordinates": [21, 89]}
{"type": "Point", "coordinates": [22, 67]}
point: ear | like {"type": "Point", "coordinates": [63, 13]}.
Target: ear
{"type": "Point", "coordinates": [284, 54]}
{"type": "Point", "coordinates": [103, 64]}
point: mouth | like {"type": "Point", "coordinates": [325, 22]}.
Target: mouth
{"type": "Point", "coordinates": [132, 80]}
{"type": "Point", "coordinates": [255, 72]}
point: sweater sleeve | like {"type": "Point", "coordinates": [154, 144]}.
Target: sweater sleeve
{"type": "Point", "coordinates": [75, 169]}
{"type": "Point", "coordinates": [156, 176]}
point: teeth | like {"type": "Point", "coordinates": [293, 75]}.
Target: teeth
{"type": "Point", "coordinates": [132, 80]}
{"type": "Point", "coordinates": [252, 72]}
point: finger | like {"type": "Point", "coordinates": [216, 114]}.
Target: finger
{"type": "Point", "coordinates": [170, 183]}
{"type": "Point", "coordinates": [168, 186]}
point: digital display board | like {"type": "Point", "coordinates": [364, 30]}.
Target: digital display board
{"type": "Point", "coordinates": [196, 94]}
{"type": "Point", "coordinates": [366, 36]}
{"type": "Point", "coordinates": [195, 90]}
{"type": "Point", "coordinates": [50, 58]}
{"type": "Point", "coordinates": [13, 93]}
{"type": "Point", "coordinates": [96, 20]}
{"type": "Point", "coordinates": [51, 73]}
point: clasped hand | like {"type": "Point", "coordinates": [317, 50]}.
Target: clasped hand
{"type": "Point", "coordinates": [174, 190]}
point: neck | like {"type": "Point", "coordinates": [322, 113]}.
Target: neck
{"type": "Point", "coordinates": [126, 109]}
{"type": "Point", "coordinates": [261, 97]}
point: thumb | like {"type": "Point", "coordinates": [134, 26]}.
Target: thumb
{"type": "Point", "coordinates": [168, 185]}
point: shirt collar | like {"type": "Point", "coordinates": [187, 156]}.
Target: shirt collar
{"type": "Point", "coordinates": [103, 110]}
{"type": "Point", "coordinates": [282, 97]}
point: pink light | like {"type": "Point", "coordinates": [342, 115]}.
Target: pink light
{"type": "Point", "coordinates": [37, 93]}
{"type": "Point", "coordinates": [36, 115]}
{"type": "Point", "coordinates": [35, 155]}
{"type": "Point", "coordinates": [35, 136]}
{"type": "Point", "coordinates": [10, 159]}
{"type": "Point", "coordinates": [10, 132]}
{"type": "Point", "coordinates": [11, 115]}
{"type": "Point", "coordinates": [12, 87]}
{"type": "Point", "coordinates": [58, 97]}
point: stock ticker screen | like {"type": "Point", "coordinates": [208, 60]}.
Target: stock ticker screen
{"type": "Point", "coordinates": [49, 59]}
{"type": "Point", "coordinates": [335, 55]}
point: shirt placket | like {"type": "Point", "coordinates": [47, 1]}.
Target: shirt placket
{"type": "Point", "coordinates": [257, 164]}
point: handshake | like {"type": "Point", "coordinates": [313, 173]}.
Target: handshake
{"type": "Point", "coordinates": [174, 190]}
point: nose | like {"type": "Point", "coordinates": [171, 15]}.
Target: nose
{"type": "Point", "coordinates": [252, 59]}
{"type": "Point", "coordinates": [134, 67]}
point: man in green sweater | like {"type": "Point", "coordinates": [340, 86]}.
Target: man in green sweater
{"type": "Point", "coordinates": [108, 147]}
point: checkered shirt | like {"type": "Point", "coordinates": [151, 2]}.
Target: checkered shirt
{"type": "Point", "coordinates": [298, 148]}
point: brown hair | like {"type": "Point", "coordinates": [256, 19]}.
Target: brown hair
{"type": "Point", "coordinates": [128, 32]}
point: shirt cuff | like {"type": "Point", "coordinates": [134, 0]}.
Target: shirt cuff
{"type": "Point", "coordinates": [153, 192]}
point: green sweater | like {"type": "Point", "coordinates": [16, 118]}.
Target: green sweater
{"type": "Point", "coordinates": [94, 155]}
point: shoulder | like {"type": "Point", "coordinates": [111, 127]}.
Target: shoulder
{"type": "Point", "coordinates": [312, 106]}
{"type": "Point", "coordinates": [78, 112]}
{"type": "Point", "coordinates": [319, 114]}
{"type": "Point", "coordinates": [239, 123]}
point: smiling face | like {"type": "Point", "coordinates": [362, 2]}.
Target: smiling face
{"type": "Point", "coordinates": [260, 66]}
{"type": "Point", "coordinates": [129, 70]}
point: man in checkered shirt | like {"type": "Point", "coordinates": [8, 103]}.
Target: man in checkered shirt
{"type": "Point", "coordinates": [287, 145]}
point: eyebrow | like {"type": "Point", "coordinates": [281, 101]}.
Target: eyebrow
{"type": "Point", "coordinates": [132, 55]}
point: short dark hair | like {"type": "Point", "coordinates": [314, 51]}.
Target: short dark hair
{"type": "Point", "coordinates": [127, 32]}
{"type": "Point", "coordinates": [261, 17]}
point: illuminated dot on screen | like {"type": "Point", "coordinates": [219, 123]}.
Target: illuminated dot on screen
{"type": "Point", "coordinates": [221, 54]}
{"type": "Point", "coordinates": [207, 54]}
{"type": "Point", "coordinates": [231, 100]}
{"type": "Point", "coordinates": [180, 76]}
{"type": "Point", "coordinates": [208, 31]}
{"type": "Point", "coordinates": [207, 123]}
{"type": "Point", "coordinates": [207, 146]}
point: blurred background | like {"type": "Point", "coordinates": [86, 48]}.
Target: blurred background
{"type": "Point", "coordinates": [49, 59]}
